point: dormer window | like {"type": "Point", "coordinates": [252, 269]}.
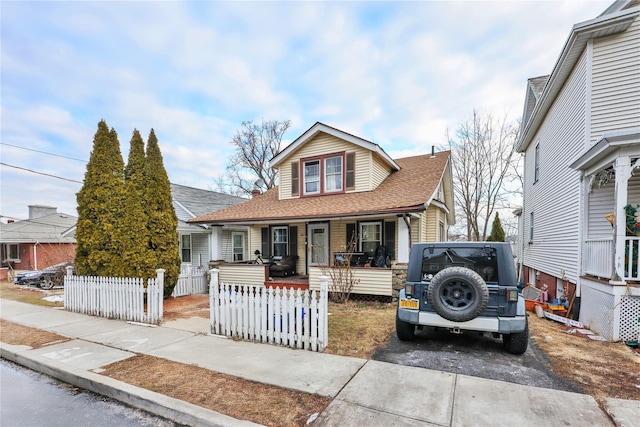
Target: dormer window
{"type": "Point", "coordinates": [322, 175]}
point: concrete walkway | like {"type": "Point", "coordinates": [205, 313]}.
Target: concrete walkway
{"type": "Point", "coordinates": [364, 392]}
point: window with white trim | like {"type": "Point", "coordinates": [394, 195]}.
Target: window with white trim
{"type": "Point", "coordinates": [237, 243]}
{"type": "Point", "coordinates": [333, 174]}
{"type": "Point", "coordinates": [185, 247]}
{"type": "Point", "coordinates": [370, 237]}
{"type": "Point", "coordinates": [531, 227]}
{"type": "Point", "coordinates": [280, 239]}
{"type": "Point", "coordinates": [312, 177]}
{"type": "Point", "coordinates": [536, 170]}
{"type": "Point", "coordinates": [11, 252]}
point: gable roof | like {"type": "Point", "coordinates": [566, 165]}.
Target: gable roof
{"type": "Point", "coordinates": [616, 19]}
{"type": "Point", "coordinates": [321, 127]}
{"type": "Point", "coordinates": [406, 190]}
{"type": "Point", "coordinates": [190, 202]}
{"type": "Point", "coordinates": [53, 228]}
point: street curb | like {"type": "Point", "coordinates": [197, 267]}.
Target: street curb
{"type": "Point", "coordinates": [172, 409]}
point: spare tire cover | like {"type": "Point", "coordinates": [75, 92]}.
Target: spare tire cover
{"type": "Point", "coordinates": [458, 294]}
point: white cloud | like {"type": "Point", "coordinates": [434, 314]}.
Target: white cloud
{"type": "Point", "coordinates": [396, 73]}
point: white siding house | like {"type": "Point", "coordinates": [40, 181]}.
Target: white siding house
{"type": "Point", "coordinates": [581, 140]}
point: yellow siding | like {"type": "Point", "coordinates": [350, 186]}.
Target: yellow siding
{"type": "Point", "coordinates": [255, 240]}
{"type": "Point", "coordinates": [370, 171]}
{"type": "Point", "coordinates": [372, 281]}
{"type": "Point", "coordinates": [379, 172]}
{"type": "Point", "coordinates": [243, 274]}
{"type": "Point", "coordinates": [431, 218]}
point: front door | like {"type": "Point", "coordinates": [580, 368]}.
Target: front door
{"type": "Point", "coordinates": [318, 244]}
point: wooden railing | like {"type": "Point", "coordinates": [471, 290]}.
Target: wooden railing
{"type": "Point", "coordinates": [598, 257]}
{"type": "Point", "coordinates": [632, 252]}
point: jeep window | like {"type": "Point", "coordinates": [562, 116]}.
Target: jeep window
{"type": "Point", "coordinates": [483, 261]}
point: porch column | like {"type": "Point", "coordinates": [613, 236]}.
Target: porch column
{"type": "Point", "coordinates": [216, 243]}
{"type": "Point", "coordinates": [623, 172]}
{"type": "Point", "coordinates": [404, 240]}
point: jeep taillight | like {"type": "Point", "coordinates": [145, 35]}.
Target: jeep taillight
{"type": "Point", "coordinates": [512, 295]}
{"type": "Point", "coordinates": [409, 290]}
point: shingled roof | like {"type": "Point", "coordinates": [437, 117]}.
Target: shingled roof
{"type": "Point", "coordinates": [406, 190]}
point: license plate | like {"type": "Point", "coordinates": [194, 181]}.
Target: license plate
{"type": "Point", "coordinates": [410, 303]}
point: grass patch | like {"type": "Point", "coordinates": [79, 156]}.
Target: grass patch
{"type": "Point", "coordinates": [357, 328]}
{"type": "Point", "coordinates": [28, 294]}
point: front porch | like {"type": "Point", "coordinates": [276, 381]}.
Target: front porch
{"type": "Point", "coordinates": [368, 281]}
{"type": "Point", "coordinates": [609, 277]}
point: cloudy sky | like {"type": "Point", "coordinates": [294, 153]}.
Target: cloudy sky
{"type": "Point", "coordinates": [396, 73]}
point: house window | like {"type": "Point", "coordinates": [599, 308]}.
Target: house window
{"type": "Point", "coordinates": [531, 227]}
{"type": "Point", "coordinates": [333, 174]}
{"type": "Point", "coordinates": [11, 252]}
{"type": "Point", "coordinates": [185, 247]}
{"type": "Point", "coordinates": [441, 229]}
{"type": "Point", "coordinates": [322, 175]}
{"type": "Point", "coordinates": [280, 239]}
{"type": "Point", "coordinates": [370, 237]}
{"type": "Point", "coordinates": [237, 241]}
{"type": "Point", "coordinates": [537, 164]}
{"type": "Point", "coordinates": [312, 177]}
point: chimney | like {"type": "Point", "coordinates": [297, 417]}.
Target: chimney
{"type": "Point", "coordinates": [38, 211]}
{"type": "Point", "coordinates": [433, 151]}
{"type": "Point", "coordinates": [255, 192]}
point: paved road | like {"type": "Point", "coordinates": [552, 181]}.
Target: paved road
{"type": "Point", "coordinates": [32, 399]}
{"type": "Point", "coordinates": [476, 355]}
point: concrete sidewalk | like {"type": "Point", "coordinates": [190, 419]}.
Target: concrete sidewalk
{"type": "Point", "coordinates": [364, 392]}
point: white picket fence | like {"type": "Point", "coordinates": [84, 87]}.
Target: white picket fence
{"type": "Point", "coordinates": [192, 280]}
{"type": "Point", "coordinates": [285, 316]}
{"type": "Point", "coordinates": [116, 297]}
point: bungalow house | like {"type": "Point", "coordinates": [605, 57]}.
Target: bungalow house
{"type": "Point", "coordinates": [45, 239]}
{"type": "Point", "coordinates": [337, 189]}
{"type": "Point", "coordinates": [581, 140]}
{"type": "Point", "coordinates": [199, 243]}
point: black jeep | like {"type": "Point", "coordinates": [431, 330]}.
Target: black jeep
{"type": "Point", "coordinates": [463, 286]}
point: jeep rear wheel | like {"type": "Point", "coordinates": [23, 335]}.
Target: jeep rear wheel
{"type": "Point", "coordinates": [405, 331]}
{"type": "Point", "coordinates": [458, 294]}
{"type": "Point", "coordinates": [516, 343]}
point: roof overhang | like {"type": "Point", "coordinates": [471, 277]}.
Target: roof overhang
{"type": "Point", "coordinates": [607, 149]}
{"type": "Point", "coordinates": [320, 218]}
{"type": "Point", "coordinates": [321, 127]}
{"type": "Point", "coordinates": [604, 25]}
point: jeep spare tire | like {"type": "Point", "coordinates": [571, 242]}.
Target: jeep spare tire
{"type": "Point", "coordinates": [458, 294]}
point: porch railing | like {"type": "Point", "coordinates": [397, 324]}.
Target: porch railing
{"type": "Point", "coordinates": [598, 257]}
{"type": "Point", "coordinates": [631, 251]}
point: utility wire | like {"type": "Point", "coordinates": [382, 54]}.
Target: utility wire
{"type": "Point", "coordinates": [42, 152]}
{"type": "Point", "coordinates": [40, 173]}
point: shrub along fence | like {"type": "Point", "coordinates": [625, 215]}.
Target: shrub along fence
{"type": "Point", "coordinates": [192, 280]}
{"type": "Point", "coordinates": [116, 297]}
{"type": "Point", "coordinates": [284, 316]}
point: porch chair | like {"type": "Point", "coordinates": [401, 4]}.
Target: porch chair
{"type": "Point", "coordinates": [285, 267]}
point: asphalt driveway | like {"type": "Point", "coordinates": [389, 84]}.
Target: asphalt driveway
{"type": "Point", "coordinates": [476, 355]}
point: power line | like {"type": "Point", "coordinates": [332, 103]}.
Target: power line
{"type": "Point", "coordinates": [42, 152]}
{"type": "Point", "coordinates": [40, 173]}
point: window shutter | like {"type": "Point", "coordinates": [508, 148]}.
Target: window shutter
{"type": "Point", "coordinates": [390, 238]}
{"type": "Point", "coordinates": [295, 179]}
{"type": "Point", "coordinates": [265, 242]}
{"type": "Point", "coordinates": [350, 179]}
{"type": "Point", "coordinates": [293, 241]}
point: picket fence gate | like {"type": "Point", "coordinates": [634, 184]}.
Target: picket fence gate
{"type": "Point", "coordinates": [192, 280]}
{"type": "Point", "coordinates": [120, 298]}
{"type": "Point", "coordinates": [284, 316]}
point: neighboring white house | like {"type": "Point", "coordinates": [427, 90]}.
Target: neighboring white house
{"type": "Point", "coordinates": [200, 243]}
{"type": "Point", "coordinates": [581, 139]}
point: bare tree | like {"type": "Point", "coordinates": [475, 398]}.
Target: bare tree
{"type": "Point", "coordinates": [255, 145]}
{"type": "Point", "coordinates": [483, 163]}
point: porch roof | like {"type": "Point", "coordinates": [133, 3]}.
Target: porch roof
{"type": "Point", "coordinates": [605, 150]}
{"type": "Point", "coordinates": [404, 191]}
